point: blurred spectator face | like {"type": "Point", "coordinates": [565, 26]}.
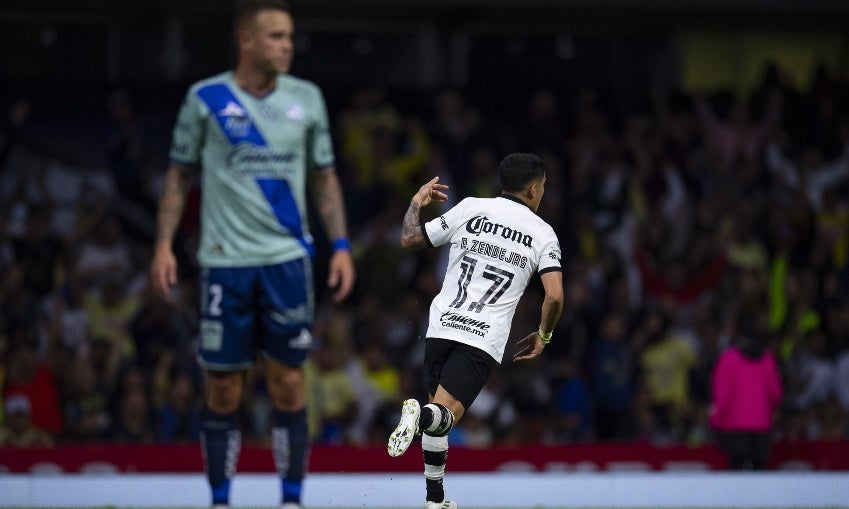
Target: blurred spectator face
{"type": "Point", "coordinates": [411, 306]}
{"type": "Point", "coordinates": [816, 343]}
{"type": "Point", "coordinates": [74, 292]}
{"type": "Point", "coordinates": [134, 407]}
{"type": "Point", "coordinates": [100, 350]}
{"type": "Point", "coordinates": [619, 296]}
{"type": "Point", "coordinates": [809, 285]}
{"type": "Point", "coordinates": [19, 112]}
{"type": "Point", "coordinates": [366, 98]}
{"type": "Point", "coordinates": [327, 358]}
{"type": "Point", "coordinates": [578, 293]}
{"type": "Point", "coordinates": [85, 379]}
{"type": "Point", "coordinates": [23, 364]}
{"type": "Point", "coordinates": [112, 292]}
{"type": "Point", "coordinates": [841, 321]}
{"type": "Point", "coordinates": [108, 232]}
{"type": "Point", "coordinates": [449, 103]}
{"type": "Point", "coordinates": [18, 410]}
{"type": "Point", "coordinates": [14, 279]}
{"type": "Point", "coordinates": [133, 380]}
{"type": "Point", "coordinates": [750, 282]}
{"type": "Point", "coordinates": [567, 368]}
{"type": "Point", "coordinates": [675, 274]}
{"type": "Point", "coordinates": [38, 224]}
{"type": "Point", "coordinates": [428, 283]}
{"type": "Point", "coordinates": [120, 106]}
{"type": "Point", "coordinates": [613, 327]}
{"type": "Point", "coordinates": [383, 143]}
{"type": "Point", "coordinates": [483, 162]}
{"type": "Point", "coordinates": [654, 326]}
{"type": "Point", "coordinates": [543, 105]}
{"type": "Point", "coordinates": [831, 199]}
{"type": "Point", "coordinates": [374, 357]}
{"type": "Point", "coordinates": [182, 391]}
{"type": "Point", "coordinates": [811, 158]}
{"type": "Point", "coordinates": [656, 234]}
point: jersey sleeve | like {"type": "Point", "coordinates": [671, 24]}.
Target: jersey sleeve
{"type": "Point", "coordinates": [439, 231]}
{"type": "Point", "coordinates": [320, 143]}
{"type": "Point", "coordinates": [550, 254]}
{"type": "Point", "coordinates": [187, 139]}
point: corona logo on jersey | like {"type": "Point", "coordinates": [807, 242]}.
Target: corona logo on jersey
{"type": "Point", "coordinates": [482, 224]}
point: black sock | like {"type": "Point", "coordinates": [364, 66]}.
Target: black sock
{"type": "Point", "coordinates": [435, 451]}
{"type": "Point", "coordinates": [435, 490]}
{"type": "Point", "coordinates": [290, 447]}
{"type": "Point", "coordinates": [221, 442]}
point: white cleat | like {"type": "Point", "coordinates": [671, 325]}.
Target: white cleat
{"type": "Point", "coordinates": [402, 437]}
{"type": "Point", "coordinates": [445, 504]}
{"type": "Point", "coordinates": [290, 505]}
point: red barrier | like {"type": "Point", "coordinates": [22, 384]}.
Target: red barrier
{"type": "Point", "coordinates": [578, 457]}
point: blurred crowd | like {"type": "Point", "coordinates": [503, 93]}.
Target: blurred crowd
{"type": "Point", "coordinates": [689, 222]}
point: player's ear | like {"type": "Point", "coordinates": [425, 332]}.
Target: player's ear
{"type": "Point", "coordinates": [243, 36]}
{"type": "Point", "coordinates": [244, 32]}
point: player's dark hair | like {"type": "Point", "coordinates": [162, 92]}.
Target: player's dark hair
{"type": "Point", "coordinates": [246, 10]}
{"type": "Point", "coordinates": [518, 170]}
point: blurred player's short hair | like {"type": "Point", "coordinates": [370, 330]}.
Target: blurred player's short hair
{"type": "Point", "coordinates": [246, 10]}
{"type": "Point", "coordinates": [518, 170]}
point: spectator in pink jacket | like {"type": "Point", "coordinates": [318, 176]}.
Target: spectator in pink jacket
{"type": "Point", "coordinates": [746, 391]}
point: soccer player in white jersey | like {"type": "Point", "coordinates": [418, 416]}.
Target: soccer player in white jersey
{"type": "Point", "coordinates": [497, 245]}
{"type": "Point", "coordinates": [259, 136]}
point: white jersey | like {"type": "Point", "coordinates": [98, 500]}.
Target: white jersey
{"type": "Point", "coordinates": [497, 245]}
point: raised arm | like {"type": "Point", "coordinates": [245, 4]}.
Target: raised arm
{"type": "Point", "coordinates": [411, 231]}
{"type": "Point", "coordinates": [163, 268]}
{"type": "Point", "coordinates": [327, 194]}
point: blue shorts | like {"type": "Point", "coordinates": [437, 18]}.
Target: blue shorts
{"type": "Point", "coordinates": [248, 310]}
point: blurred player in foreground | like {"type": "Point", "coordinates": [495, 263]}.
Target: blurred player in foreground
{"type": "Point", "coordinates": [259, 135]}
{"type": "Point", "coordinates": [497, 245]}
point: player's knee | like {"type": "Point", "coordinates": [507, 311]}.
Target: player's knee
{"type": "Point", "coordinates": [224, 390]}
{"type": "Point", "coordinates": [443, 420]}
{"type": "Point", "coordinates": [286, 387]}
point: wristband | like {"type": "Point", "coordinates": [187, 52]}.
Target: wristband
{"type": "Point", "coordinates": [342, 243]}
{"type": "Point", "coordinates": [545, 336]}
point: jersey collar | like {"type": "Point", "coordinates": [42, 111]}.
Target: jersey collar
{"type": "Point", "coordinates": [517, 200]}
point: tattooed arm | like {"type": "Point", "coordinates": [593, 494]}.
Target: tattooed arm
{"type": "Point", "coordinates": [327, 195]}
{"type": "Point", "coordinates": [163, 268]}
{"type": "Point", "coordinates": [411, 231]}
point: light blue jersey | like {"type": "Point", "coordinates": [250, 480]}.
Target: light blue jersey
{"type": "Point", "coordinates": [255, 153]}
